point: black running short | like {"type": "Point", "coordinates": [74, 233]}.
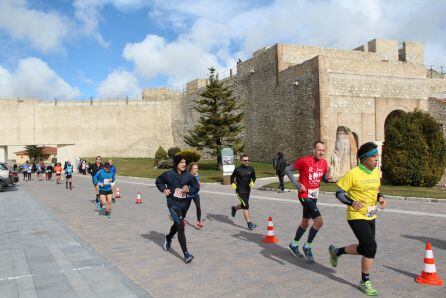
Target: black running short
{"type": "Point", "coordinates": [310, 210]}
{"type": "Point", "coordinates": [244, 199]}
{"type": "Point", "coordinates": [364, 231]}
{"type": "Point", "coordinates": [105, 192]}
{"type": "Point", "coordinates": [69, 176]}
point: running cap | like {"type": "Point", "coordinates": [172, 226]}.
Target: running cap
{"type": "Point", "coordinates": [176, 160]}
{"type": "Point", "coordinates": [106, 165]}
{"type": "Point", "coordinates": [367, 150]}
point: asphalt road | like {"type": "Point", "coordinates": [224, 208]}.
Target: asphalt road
{"type": "Point", "coordinates": [233, 261]}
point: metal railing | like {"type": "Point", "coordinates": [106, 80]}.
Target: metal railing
{"type": "Point", "coordinates": [434, 71]}
{"type": "Point", "coordinates": [149, 96]}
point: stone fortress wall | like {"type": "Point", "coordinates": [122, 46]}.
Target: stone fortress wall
{"type": "Point", "coordinates": [109, 128]}
{"type": "Point", "coordinates": [292, 95]}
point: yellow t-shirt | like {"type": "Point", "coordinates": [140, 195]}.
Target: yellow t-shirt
{"type": "Point", "coordinates": [362, 187]}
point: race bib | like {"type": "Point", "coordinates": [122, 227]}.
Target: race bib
{"type": "Point", "coordinates": [371, 211]}
{"type": "Point", "coordinates": [179, 193]}
{"type": "Point", "coordinates": [58, 172]}
{"type": "Point", "coordinates": [107, 181]}
{"type": "Point", "coordinates": [313, 193]}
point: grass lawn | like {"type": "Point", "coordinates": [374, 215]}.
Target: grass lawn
{"type": "Point", "coordinates": [404, 191]}
{"type": "Point", "coordinates": [208, 169]}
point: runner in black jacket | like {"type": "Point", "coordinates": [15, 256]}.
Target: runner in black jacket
{"type": "Point", "coordinates": [93, 169]}
{"type": "Point", "coordinates": [242, 179]}
{"type": "Point", "coordinates": [178, 184]}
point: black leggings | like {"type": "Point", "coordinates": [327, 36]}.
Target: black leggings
{"type": "Point", "coordinates": [196, 200]}
{"type": "Point", "coordinates": [364, 230]}
{"type": "Point", "coordinates": [178, 215]}
{"type": "Point", "coordinates": [281, 184]}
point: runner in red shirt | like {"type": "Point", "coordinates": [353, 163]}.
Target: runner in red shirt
{"type": "Point", "coordinates": [312, 170]}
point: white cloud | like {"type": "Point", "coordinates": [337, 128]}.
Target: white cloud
{"type": "Point", "coordinates": [44, 31]}
{"type": "Point", "coordinates": [217, 32]}
{"type": "Point", "coordinates": [88, 13]}
{"type": "Point", "coordinates": [119, 83]}
{"type": "Point", "coordinates": [34, 78]}
{"type": "Point", "coordinates": [181, 60]}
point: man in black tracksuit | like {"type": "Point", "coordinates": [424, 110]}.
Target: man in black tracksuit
{"type": "Point", "coordinates": [177, 185]}
{"type": "Point", "coordinates": [93, 169]}
{"type": "Point", "coordinates": [242, 179]}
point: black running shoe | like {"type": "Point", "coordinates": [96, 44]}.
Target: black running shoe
{"type": "Point", "coordinates": [167, 243]}
{"type": "Point", "coordinates": [295, 250]}
{"type": "Point", "coordinates": [188, 258]}
{"type": "Point", "coordinates": [251, 226]}
{"type": "Point", "coordinates": [113, 200]}
{"type": "Point", "coordinates": [233, 211]}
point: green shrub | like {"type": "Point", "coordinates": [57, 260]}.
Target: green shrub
{"type": "Point", "coordinates": [190, 155]}
{"type": "Point", "coordinates": [414, 152]}
{"type": "Point", "coordinates": [160, 154]}
{"type": "Point", "coordinates": [165, 163]}
{"type": "Point", "coordinates": [173, 151]}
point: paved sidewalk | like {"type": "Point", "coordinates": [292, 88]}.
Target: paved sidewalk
{"type": "Point", "coordinates": [41, 257]}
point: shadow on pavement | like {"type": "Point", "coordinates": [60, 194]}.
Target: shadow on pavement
{"type": "Point", "coordinates": [438, 243]}
{"type": "Point", "coordinates": [281, 255]}
{"type": "Point", "coordinates": [158, 238]}
{"type": "Point", "coordinates": [410, 274]}
{"type": "Point", "coordinates": [9, 188]}
{"type": "Point", "coordinates": [223, 218]}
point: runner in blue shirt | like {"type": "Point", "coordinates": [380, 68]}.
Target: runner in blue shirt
{"type": "Point", "coordinates": [69, 174]}
{"type": "Point", "coordinates": [103, 180]}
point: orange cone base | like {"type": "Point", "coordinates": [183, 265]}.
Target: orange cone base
{"type": "Point", "coordinates": [270, 239]}
{"type": "Point", "coordinates": [429, 279]}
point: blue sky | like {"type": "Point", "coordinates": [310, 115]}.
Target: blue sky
{"type": "Point", "coordinates": [113, 48]}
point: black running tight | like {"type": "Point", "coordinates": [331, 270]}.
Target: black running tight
{"type": "Point", "coordinates": [178, 226]}
{"type": "Point", "coordinates": [196, 200]}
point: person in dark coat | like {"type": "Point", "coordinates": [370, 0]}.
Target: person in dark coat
{"type": "Point", "coordinates": [280, 170]}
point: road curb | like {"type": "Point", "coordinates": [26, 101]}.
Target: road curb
{"type": "Point", "coordinates": [433, 200]}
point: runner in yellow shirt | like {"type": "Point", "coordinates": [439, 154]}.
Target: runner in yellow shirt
{"type": "Point", "coordinates": [359, 190]}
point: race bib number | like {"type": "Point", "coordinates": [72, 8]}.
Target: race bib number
{"type": "Point", "coordinates": [313, 193]}
{"type": "Point", "coordinates": [107, 181]}
{"type": "Point", "coordinates": [179, 193]}
{"type": "Point", "coordinates": [371, 211]}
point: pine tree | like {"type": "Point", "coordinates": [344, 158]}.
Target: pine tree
{"type": "Point", "coordinates": [220, 120]}
{"type": "Point", "coordinates": [415, 150]}
{"type": "Point", "coordinates": [34, 152]}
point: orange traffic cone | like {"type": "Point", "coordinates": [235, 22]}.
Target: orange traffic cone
{"type": "Point", "coordinates": [270, 238]}
{"type": "Point", "coordinates": [429, 274]}
{"type": "Point", "coordinates": [138, 198]}
{"type": "Point", "coordinates": [118, 193]}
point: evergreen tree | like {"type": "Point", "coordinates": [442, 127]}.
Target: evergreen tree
{"type": "Point", "coordinates": [220, 120]}
{"type": "Point", "coordinates": [34, 152]}
{"type": "Point", "coordinates": [415, 150]}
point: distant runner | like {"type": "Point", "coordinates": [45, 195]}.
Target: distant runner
{"type": "Point", "coordinates": [103, 180]}
{"type": "Point", "coordinates": [242, 180]}
{"type": "Point", "coordinates": [69, 174]}
{"type": "Point", "coordinates": [93, 170]}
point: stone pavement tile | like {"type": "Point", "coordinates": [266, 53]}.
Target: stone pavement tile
{"type": "Point", "coordinates": [8, 289]}
{"type": "Point", "coordinates": [53, 285]}
{"type": "Point", "coordinates": [20, 263]}
{"type": "Point", "coordinates": [41, 261]}
{"type": "Point", "coordinates": [26, 285]}
{"type": "Point", "coordinates": [6, 264]}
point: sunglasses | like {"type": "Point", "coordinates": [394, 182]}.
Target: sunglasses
{"type": "Point", "coordinates": [245, 160]}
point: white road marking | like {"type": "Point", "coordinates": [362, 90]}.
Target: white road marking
{"type": "Point", "coordinates": [400, 211]}
{"type": "Point", "coordinates": [15, 277]}
{"type": "Point", "coordinates": [29, 275]}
